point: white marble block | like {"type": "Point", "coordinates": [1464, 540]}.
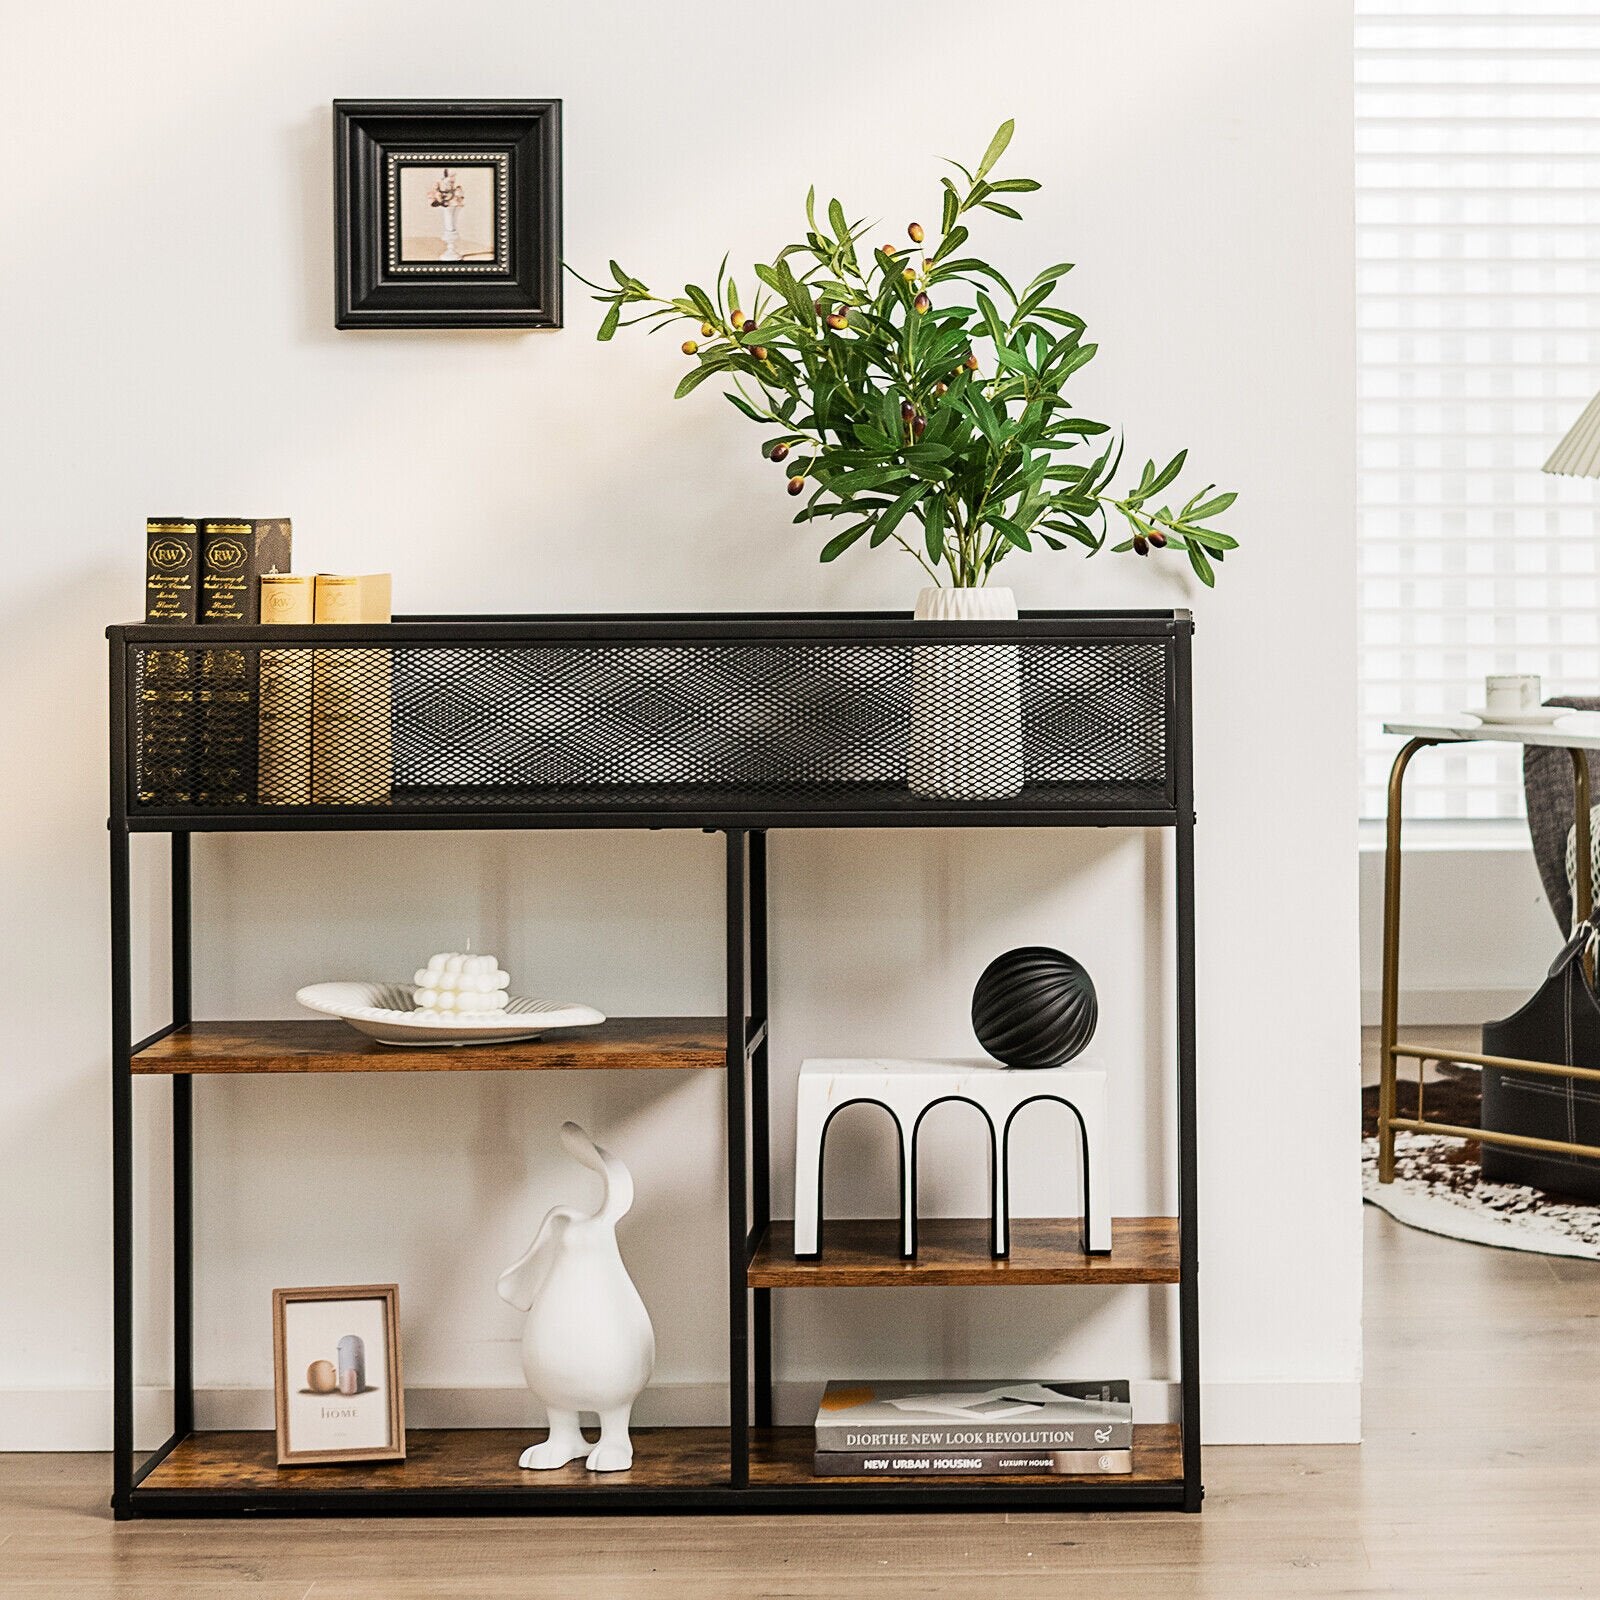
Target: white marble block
{"type": "Point", "coordinates": [908, 1090]}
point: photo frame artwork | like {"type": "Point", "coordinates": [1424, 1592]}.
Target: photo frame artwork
{"type": "Point", "coordinates": [337, 1382]}
{"type": "Point", "coordinates": [448, 213]}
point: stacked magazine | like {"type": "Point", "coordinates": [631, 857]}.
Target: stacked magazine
{"type": "Point", "coordinates": [931, 1427]}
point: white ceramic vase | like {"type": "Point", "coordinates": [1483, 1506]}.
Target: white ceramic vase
{"type": "Point", "coordinates": [966, 703]}
{"type": "Point", "coordinates": [451, 237]}
{"type": "Point", "coordinates": [588, 1344]}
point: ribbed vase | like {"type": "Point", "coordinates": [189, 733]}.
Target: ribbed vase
{"type": "Point", "coordinates": [966, 703]}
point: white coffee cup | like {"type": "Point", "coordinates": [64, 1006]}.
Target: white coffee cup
{"type": "Point", "coordinates": [1511, 691]}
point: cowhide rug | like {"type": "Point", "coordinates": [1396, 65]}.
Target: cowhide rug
{"type": "Point", "coordinates": [1440, 1188]}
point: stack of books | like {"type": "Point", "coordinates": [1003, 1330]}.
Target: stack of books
{"type": "Point", "coordinates": [231, 724]}
{"type": "Point", "coordinates": [932, 1428]}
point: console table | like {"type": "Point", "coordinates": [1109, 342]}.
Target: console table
{"type": "Point", "coordinates": [735, 725]}
{"type": "Point", "coordinates": [1578, 734]}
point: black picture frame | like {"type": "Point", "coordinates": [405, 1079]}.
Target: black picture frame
{"type": "Point", "coordinates": [513, 280]}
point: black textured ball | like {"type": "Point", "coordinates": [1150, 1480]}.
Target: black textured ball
{"type": "Point", "coordinates": [1034, 1007]}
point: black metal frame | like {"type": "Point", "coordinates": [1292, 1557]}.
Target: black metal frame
{"type": "Point", "coordinates": [750, 1311]}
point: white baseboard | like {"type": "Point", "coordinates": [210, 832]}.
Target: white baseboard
{"type": "Point", "coordinates": [1465, 1008]}
{"type": "Point", "coordinates": [1238, 1412]}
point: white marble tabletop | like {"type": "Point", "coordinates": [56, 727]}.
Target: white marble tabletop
{"type": "Point", "coordinates": [1578, 730]}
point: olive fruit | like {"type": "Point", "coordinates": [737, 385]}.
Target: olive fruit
{"type": "Point", "coordinates": [779, 451]}
{"type": "Point", "coordinates": [689, 347]}
{"type": "Point", "coordinates": [922, 304]}
{"type": "Point", "coordinates": [1158, 539]}
{"type": "Point", "coordinates": [796, 485]}
{"type": "Point", "coordinates": [915, 231]}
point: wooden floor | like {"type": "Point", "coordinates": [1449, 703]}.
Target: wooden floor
{"type": "Point", "coordinates": [1481, 1484]}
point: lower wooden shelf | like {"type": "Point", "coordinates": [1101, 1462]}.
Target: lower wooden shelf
{"type": "Point", "coordinates": [475, 1469]}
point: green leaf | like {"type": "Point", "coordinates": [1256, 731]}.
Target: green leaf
{"type": "Point", "coordinates": [997, 146]}
{"type": "Point", "coordinates": [693, 380]}
{"type": "Point", "coordinates": [1209, 508]}
{"type": "Point", "coordinates": [1202, 568]}
{"type": "Point", "coordinates": [621, 276]}
{"type": "Point", "coordinates": [841, 542]}
{"type": "Point", "coordinates": [1011, 361]}
{"type": "Point", "coordinates": [1010, 532]}
{"type": "Point", "coordinates": [609, 325]}
{"type": "Point", "coordinates": [991, 317]}
{"type": "Point", "coordinates": [743, 405]}
{"type": "Point", "coordinates": [891, 518]}
{"type": "Point", "coordinates": [701, 302]}
{"type": "Point", "coordinates": [1014, 185]}
{"type": "Point", "coordinates": [933, 528]}
{"type": "Point", "coordinates": [953, 240]}
{"type": "Point", "coordinates": [1165, 476]}
{"type": "Point", "coordinates": [952, 202]}
{"type": "Point", "coordinates": [841, 229]}
{"type": "Point", "coordinates": [1004, 211]}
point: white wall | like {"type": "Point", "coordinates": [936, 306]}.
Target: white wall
{"type": "Point", "coordinates": [1477, 935]}
{"type": "Point", "coordinates": [170, 348]}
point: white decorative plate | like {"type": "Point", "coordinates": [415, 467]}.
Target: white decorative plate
{"type": "Point", "coordinates": [383, 1012]}
{"type": "Point", "coordinates": [1532, 717]}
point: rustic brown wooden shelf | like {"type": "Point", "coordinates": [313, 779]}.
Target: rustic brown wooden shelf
{"type": "Point", "coordinates": [331, 1046]}
{"type": "Point", "coordinates": [483, 1461]}
{"type": "Point", "coordinates": [864, 1252]}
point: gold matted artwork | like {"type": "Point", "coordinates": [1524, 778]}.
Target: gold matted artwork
{"type": "Point", "coordinates": [336, 1374]}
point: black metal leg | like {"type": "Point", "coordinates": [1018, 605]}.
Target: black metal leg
{"type": "Point", "coordinates": [1188, 1133]}
{"type": "Point", "coordinates": [738, 1013]}
{"type": "Point", "coordinates": [182, 1152]}
{"type": "Point", "coordinates": [760, 1120]}
{"type": "Point", "coordinates": [121, 1176]}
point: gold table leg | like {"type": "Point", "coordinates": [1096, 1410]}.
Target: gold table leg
{"type": "Point", "coordinates": [1388, 1033]}
{"type": "Point", "coordinates": [1583, 870]}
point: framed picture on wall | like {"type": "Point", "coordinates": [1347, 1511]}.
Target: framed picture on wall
{"type": "Point", "coordinates": [336, 1374]}
{"type": "Point", "coordinates": [447, 213]}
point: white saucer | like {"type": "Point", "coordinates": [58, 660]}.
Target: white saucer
{"type": "Point", "coordinates": [1532, 717]}
{"type": "Point", "coordinates": [383, 1011]}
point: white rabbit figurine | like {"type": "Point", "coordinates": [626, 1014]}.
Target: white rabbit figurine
{"type": "Point", "coordinates": [588, 1344]}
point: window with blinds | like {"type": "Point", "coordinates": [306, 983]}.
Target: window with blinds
{"type": "Point", "coordinates": [1478, 295]}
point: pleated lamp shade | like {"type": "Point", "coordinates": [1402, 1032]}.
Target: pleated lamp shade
{"type": "Point", "coordinates": [1578, 455]}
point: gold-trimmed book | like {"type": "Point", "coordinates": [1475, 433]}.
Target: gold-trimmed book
{"type": "Point", "coordinates": [352, 741]}
{"type": "Point", "coordinates": [167, 686]}
{"type": "Point", "coordinates": [283, 716]}
{"type": "Point", "coordinates": [234, 553]}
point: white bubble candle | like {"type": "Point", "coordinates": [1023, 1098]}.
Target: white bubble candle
{"type": "Point", "coordinates": [454, 984]}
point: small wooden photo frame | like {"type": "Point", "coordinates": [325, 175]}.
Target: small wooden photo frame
{"type": "Point", "coordinates": [336, 1374]}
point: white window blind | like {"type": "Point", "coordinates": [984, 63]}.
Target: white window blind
{"type": "Point", "coordinates": [1478, 296]}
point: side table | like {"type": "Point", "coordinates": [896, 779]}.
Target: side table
{"type": "Point", "coordinates": [1578, 734]}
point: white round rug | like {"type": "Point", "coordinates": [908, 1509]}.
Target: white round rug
{"type": "Point", "coordinates": [1438, 1187]}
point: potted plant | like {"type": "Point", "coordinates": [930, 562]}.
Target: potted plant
{"type": "Point", "coordinates": [912, 393]}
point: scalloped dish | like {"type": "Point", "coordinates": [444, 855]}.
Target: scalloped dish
{"type": "Point", "coordinates": [383, 1011]}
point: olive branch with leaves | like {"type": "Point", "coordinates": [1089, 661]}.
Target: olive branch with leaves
{"type": "Point", "coordinates": [888, 413]}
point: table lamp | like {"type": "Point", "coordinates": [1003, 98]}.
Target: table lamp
{"type": "Point", "coordinates": [1578, 454]}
